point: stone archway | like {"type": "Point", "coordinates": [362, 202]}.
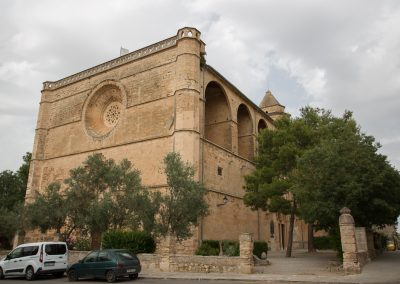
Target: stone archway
{"type": "Point", "coordinates": [245, 133]}
{"type": "Point", "coordinates": [217, 117]}
{"type": "Point", "coordinates": [261, 125]}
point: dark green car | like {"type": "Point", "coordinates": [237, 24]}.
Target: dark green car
{"type": "Point", "coordinates": [110, 264]}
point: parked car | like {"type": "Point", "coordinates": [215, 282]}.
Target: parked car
{"type": "Point", "coordinates": [34, 259]}
{"type": "Point", "coordinates": [390, 245]}
{"type": "Point", "coordinates": [109, 264]}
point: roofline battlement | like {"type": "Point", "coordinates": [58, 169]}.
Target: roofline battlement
{"type": "Point", "coordinates": [186, 32]}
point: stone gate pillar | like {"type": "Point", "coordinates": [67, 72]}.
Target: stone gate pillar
{"type": "Point", "coordinates": [351, 265]}
{"type": "Point", "coordinates": [246, 253]}
{"type": "Point", "coordinates": [167, 248]}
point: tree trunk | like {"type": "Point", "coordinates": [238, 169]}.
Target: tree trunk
{"type": "Point", "coordinates": [311, 247]}
{"type": "Point", "coordinates": [291, 227]}
{"type": "Point", "coordinates": [95, 240]}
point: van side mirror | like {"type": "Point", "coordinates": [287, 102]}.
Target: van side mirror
{"type": "Point", "coordinates": [80, 261]}
{"type": "Point", "coordinates": [8, 257]}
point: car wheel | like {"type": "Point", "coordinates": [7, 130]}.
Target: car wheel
{"type": "Point", "coordinates": [1, 273]}
{"type": "Point", "coordinates": [110, 276]}
{"type": "Point", "coordinates": [72, 275]}
{"type": "Point", "coordinates": [29, 273]}
{"type": "Point", "coordinates": [133, 276]}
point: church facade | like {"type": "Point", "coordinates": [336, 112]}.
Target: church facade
{"type": "Point", "coordinates": [152, 101]}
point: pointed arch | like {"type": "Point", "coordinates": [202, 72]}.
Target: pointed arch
{"type": "Point", "coordinates": [261, 125]}
{"type": "Point", "coordinates": [245, 133]}
{"type": "Point", "coordinates": [217, 121]}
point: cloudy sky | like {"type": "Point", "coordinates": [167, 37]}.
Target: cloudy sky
{"type": "Point", "coordinates": [333, 54]}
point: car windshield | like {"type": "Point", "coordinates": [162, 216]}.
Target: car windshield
{"type": "Point", "coordinates": [125, 255]}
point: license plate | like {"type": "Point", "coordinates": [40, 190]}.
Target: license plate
{"type": "Point", "coordinates": [130, 270]}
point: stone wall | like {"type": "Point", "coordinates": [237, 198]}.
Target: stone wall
{"type": "Point", "coordinates": [171, 262]}
{"type": "Point", "coordinates": [161, 94]}
{"type": "Point", "coordinates": [362, 245]}
{"type": "Point", "coordinates": [166, 260]}
{"type": "Point", "coordinates": [205, 264]}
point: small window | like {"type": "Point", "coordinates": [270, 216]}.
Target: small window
{"type": "Point", "coordinates": [219, 170]}
{"type": "Point", "coordinates": [55, 249]}
{"type": "Point", "coordinates": [125, 255]}
{"type": "Point", "coordinates": [104, 256]}
{"type": "Point", "coordinates": [28, 251]}
{"type": "Point", "coordinates": [16, 253]}
{"type": "Point", "coordinates": [91, 257]}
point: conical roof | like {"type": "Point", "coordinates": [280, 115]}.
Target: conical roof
{"type": "Point", "coordinates": [268, 100]}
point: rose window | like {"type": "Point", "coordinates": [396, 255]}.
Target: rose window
{"type": "Point", "coordinates": [103, 111]}
{"type": "Point", "coordinates": [112, 113]}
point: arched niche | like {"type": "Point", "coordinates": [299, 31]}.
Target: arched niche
{"type": "Point", "coordinates": [217, 120]}
{"type": "Point", "coordinates": [261, 125]}
{"type": "Point", "coordinates": [245, 133]}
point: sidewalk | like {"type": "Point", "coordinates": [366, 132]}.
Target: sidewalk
{"type": "Point", "coordinates": [304, 269]}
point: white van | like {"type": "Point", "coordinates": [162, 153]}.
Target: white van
{"type": "Point", "coordinates": [35, 259]}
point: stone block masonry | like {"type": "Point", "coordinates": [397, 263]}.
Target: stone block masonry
{"type": "Point", "coordinates": [149, 102]}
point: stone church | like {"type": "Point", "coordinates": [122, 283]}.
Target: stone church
{"type": "Point", "coordinates": [152, 101]}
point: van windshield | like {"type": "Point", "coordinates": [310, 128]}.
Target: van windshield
{"type": "Point", "coordinates": [55, 249]}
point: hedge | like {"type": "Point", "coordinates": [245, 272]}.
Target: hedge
{"type": "Point", "coordinates": [134, 241]}
{"type": "Point", "coordinates": [211, 247]}
{"type": "Point", "coordinates": [231, 248]}
{"type": "Point", "coordinates": [208, 247]}
{"type": "Point", "coordinates": [260, 247]}
{"type": "Point", "coordinates": [324, 242]}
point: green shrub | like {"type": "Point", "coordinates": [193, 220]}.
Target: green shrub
{"type": "Point", "coordinates": [136, 242]}
{"type": "Point", "coordinates": [211, 247]}
{"type": "Point", "coordinates": [82, 244]}
{"type": "Point", "coordinates": [260, 247]}
{"type": "Point", "coordinates": [324, 242]}
{"type": "Point", "coordinates": [211, 243]}
{"type": "Point", "coordinates": [230, 248]}
{"type": "Point", "coordinates": [207, 248]}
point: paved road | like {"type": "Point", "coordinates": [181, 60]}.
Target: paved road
{"type": "Point", "coordinates": [51, 280]}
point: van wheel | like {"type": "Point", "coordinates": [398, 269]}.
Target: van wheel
{"type": "Point", "coordinates": [1, 273]}
{"type": "Point", "coordinates": [72, 275]}
{"type": "Point", "coordinates": [110, 276]}
{"type": "Point", "coordinates": [29, 274]}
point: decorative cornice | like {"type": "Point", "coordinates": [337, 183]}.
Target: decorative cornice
{"type": "Point", "coordinates": [186, 32]}
{"type": "Point", "coordinates": [132, 56]}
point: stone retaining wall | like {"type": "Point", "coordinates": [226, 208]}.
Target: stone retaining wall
{"type": "Point", "coordinates": [179, 263]}
{"type": "Point", "coordinates": [149, 262]}
{"type": "Point", "coordinates": [204, 264]}
{"type": "Point", "coordinates": [167, 260]}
